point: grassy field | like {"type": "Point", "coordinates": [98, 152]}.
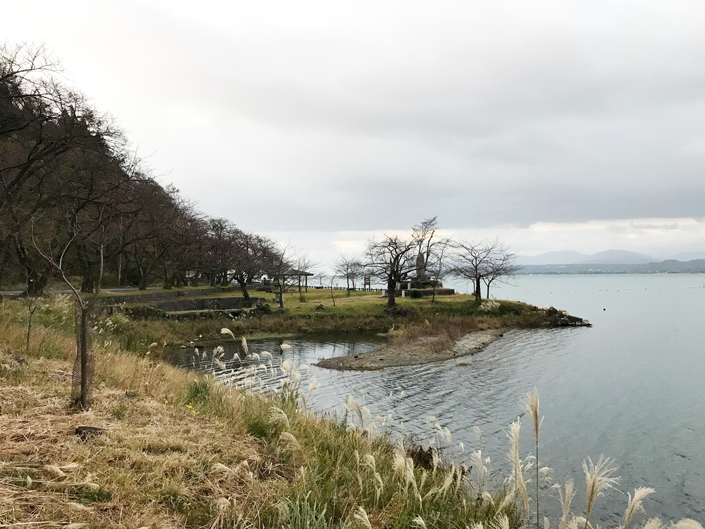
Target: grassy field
{"type": "Point", "coordinates": [361, 312]}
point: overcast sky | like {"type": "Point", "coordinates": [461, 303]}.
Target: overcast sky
{"type": "Point", "coordinates": [555, 125]}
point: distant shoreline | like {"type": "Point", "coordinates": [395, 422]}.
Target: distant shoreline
{"type": "Point", "coordinates": [696, 266]}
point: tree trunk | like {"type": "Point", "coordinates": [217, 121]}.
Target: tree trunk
{"type": "Point", "coordinates": [36, 282]}
{"type": "Point", "coordinates": [87, 282]}
{"type": "Point", "coordinates": [143, 278]}
{"type": "Point", "coordinates": [101, 270]}
{"type": "Point", "coordinates": [487, 296]}
{"type": "Point", "coordinates": [36, 279]}
{"type": "Point", "coordinates": [391, 290]}
{"type": "Point", "coordinates": [85, 381]}
{"type": "Point", "coordinates": [243, 287]}
{"type": "Point", "coordinates": [478, 287]}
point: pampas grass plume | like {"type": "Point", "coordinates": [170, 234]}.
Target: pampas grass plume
{"type": "Point", "coordinates": [598, 478]}
{"type": "Point", "coordinates": [634, 504]}
{"type": "Point", "coordinates": [518, 476]}
{"type": "Point", "coordinates": [566, 500]}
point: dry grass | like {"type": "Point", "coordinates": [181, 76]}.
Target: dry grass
{"type": "Point", "coordinates": [156, 464]}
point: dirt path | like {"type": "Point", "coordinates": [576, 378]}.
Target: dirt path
{"type": "Point", "coordinates": [418, 352]}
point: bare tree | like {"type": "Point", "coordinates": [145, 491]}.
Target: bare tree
{"type": "Point", "coordinates": [502, 266]}
{"type": "Point", "coordinates": [251, 258]}
{"type": "Point", "coordinates": [390, 260]}
{"type": "Point", "coordinates": [350, 268]}
{"type": "Point", "coordinates": [438, 265]}
{"type": "Point", "coordinates": [83, 366]}
{"type": "Point", "coordinates": [279, 268]}
{"type": "Point", "coordinates": [473, 260]}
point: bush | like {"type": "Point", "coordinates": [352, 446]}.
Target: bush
{"type": "Point", "coordinates": [415, 293]}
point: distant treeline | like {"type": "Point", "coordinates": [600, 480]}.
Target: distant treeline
{"type": "Point", "coordinates": [76, 201]}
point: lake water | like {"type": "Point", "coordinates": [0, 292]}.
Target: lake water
{"type": "Point", "coordinates": [632, 387]}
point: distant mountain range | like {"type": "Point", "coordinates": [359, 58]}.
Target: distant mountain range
{"type": "Point", "coordinates": [609, 262]}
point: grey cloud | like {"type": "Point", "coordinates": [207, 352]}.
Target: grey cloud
{"type": "Point", "coordinates": [375, 116]}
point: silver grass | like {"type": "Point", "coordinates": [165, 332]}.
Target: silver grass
{"type": "Point", "coordinates": [506, 502]}
{"type": "Point", "coordinates": [303, 401]}
{"type": "Point", "coordinates": [531, 406]}
{"type": "Point", "coordinates": [361, 516]}
{"type": "Point", "coordinates": [573, 523]}
{"type": "Point", "coordinates": [478, 432]}
{"type": "Point", "coordinates": [654, 523]}
{"type": "Point", "coordinates": [289, 442]}
{"type": "Point", "coordinates": [352, 405]}
{"type": "Point", "coordinates": [313, 385]}
{"type": "Point", "coordinates": [501, 522]}
{"type": "Point", "coordinates": [480, 468]}
{"type": "Point", "coordinates": [487, 498]}
{"type": "Point", "coordinates": [458, 479]}
{"type": "Point", "coordinates": [224, 330]}
{"type": "Point", "coordinates": [368, 460]}
{"type": "Point", "coordinates": [219, 363]}
{"type": "Point", "coordinates": [286, 347]}
{"type": "Point", "coordinates": [566, 500]}
{"type": "Point", "coordinates": [278, 417]}
{"type": "Point", "coordinates": [379, 485]}
{"type": "Point", "coordinates": [598, 478]}
{"type": "Point", "coordinates": [287, 366]}
{"type": "Point", "coordinates": [447, 482]}
{"type": "Point", "coordinates": [243, 341]}
{"type": "Point", "coordinates": [266, 353]}
{"type": "Point", "coordinates": [634, 504]}
{"type": "Point", "coordinates": [687, 523]}
{"type": "Point", "coordinates": [436, 460]}
{"type": "Point", "coordinates": [518, 475]}
{"type": "Point", "coordinates": [418, 521]}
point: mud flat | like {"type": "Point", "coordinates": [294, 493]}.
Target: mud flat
{"type": "Point", "coordinates": [421, 351]}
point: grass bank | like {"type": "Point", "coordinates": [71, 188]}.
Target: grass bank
{"type": "Point", "coordinates": [362, 312]}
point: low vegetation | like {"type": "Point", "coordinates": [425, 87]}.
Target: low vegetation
{"type": "Point", "coordinates": [361, 312]}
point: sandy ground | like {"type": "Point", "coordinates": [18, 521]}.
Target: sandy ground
{"type": "Point", "coordinates": [418, 352]}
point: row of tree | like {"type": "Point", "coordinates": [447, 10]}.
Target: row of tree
{"type": "Point", "coordinates": [75, 201]}
{"type": "Point", "coordinates": [394, 259]}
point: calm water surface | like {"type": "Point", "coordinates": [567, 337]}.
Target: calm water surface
{"type": "Point", "coordinates": [632, 387]}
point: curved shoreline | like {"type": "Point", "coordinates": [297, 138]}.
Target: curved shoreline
{"type": "Point", "coordinates": [418, 352]}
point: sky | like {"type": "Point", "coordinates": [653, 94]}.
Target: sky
{"type": "Point", "coordinates": [552, 124]}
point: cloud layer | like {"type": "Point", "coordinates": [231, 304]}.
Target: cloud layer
{"type": "Point", "coordinates": [330, 117]}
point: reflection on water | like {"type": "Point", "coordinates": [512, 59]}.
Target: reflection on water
{"type": "Point", "coordinates": [631, 387]}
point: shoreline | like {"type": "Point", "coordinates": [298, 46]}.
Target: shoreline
{"type": "Point", "coordinates": [416, 352]}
